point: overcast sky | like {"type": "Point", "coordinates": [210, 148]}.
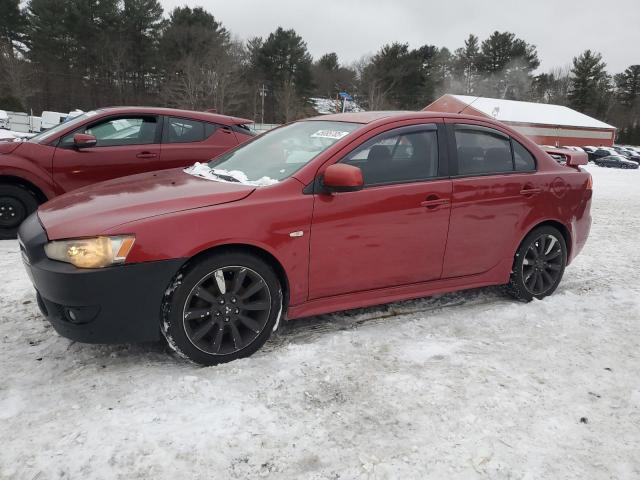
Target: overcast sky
{"type": "Point", "coordinates": [561, 29]}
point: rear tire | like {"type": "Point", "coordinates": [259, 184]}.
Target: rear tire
{"type": "Point", "coordinates": [222, 307]}
{"type": "Point", "coordinates": [538, 265]}
{"type": "Point", "coordinates": [16, 204]}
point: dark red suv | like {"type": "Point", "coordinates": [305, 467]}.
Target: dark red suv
{"type": "Point", "coordinates": [105, 144]}
{"type": "Point", "coordinates": [326, 214]}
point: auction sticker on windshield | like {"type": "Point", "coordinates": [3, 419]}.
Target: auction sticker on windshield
{"type": "Point", "coordinates": [335, 134]}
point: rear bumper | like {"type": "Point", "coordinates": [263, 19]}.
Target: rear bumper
{"type": "Point", "coordinates": [109, 305]}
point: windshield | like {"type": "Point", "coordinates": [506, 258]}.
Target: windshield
{"type": "Point", "coordinates": [275, 155]}
{"type": "Point", "coordinates": [47, 134]}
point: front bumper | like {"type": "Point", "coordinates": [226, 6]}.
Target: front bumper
{"type": "Point", "coordinates": [108, 305]}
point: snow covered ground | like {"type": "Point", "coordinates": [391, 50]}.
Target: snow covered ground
{"type": "Point", "coordinates": [462, 386]}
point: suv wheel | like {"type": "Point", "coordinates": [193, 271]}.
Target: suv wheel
{"type": "Point", "coordinates": [222, 308]}
{"type": "Point", "coordinates": [16, 204]}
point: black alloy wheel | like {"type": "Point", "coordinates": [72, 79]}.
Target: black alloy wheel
{"type": "Point", "coordinates": [222, 306]}
{"type": "Point", "coordinates": [227, 310]}
{"type": "Point", "coordinates": [542, 264]}
{"type": "Point", "coordinates": [538, 265]}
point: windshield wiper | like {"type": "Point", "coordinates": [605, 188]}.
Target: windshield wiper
{"type": "Point", "coordinates": [228, 178]}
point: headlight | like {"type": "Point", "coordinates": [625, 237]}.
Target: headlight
{"type": "Point", "coordinates": [91, 252]}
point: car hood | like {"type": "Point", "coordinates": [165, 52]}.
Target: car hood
{"type": "Point", "coordinates": [94, 209]}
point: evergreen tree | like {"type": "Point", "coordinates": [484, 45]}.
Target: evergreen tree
{"type": "Point", "coordinates": [628, 86]}
{"type": "Point", "coordinates": [506, 63]}
{"type": "Point", "coordinates": [627, 116]}
{"type": "Point", "coordinates": [192, 33]}
{"type": "Point", "coordinates": [590, 84]}
{"type": "Point", "coordinates": [285, 63]}
{"type": "Point", "coordinates": [329, 77]}
{"type": "Point", "coordinates": [465, 66]}
{"type": "Point", "coordinates": [13, 25]}
{"type": "Point", "coordinates": [141, 24]}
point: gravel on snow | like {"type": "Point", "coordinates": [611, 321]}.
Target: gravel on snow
{"type": "Point", "coordinates": [460, 386]}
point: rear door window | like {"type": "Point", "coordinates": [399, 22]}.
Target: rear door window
{"type": "Point", "coordinates": [482, 151]}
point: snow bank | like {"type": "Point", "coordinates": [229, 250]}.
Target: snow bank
{"type": "Point", "coordinates": [203, 170]}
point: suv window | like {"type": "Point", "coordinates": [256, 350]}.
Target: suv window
{"type": "Point", "coordinates": [482, 150]}
{"type": "Point", "coordinates": [406, 156]}
{"type": "Point", "coordinates": [119, 131]}
{"type": "Point", "coordinates": [182, 130]}
{"type": "Point", "coordinates": [522, 158]}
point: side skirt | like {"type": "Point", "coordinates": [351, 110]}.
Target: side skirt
{"type": "Point", "coordinates": [498, 275]}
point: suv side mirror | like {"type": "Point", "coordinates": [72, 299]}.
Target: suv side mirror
{"type": "Point", "coordinates": [341, 177]}
{"type": "Point", "coordinates": [84, 140]}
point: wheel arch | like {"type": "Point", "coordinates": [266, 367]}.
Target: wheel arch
{"type": "Point", "coordinates": [561, 227]}
{"type": "Point", "coordinates": [261, 253]}
{"type": "Point", "coordinates": [26, 184]}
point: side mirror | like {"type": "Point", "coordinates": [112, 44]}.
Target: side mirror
{"type": "Point", "coordinates": [341, 177]}
{"type": "Point", "coordinates": [84, 140]}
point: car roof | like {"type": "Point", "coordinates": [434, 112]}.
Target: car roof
{"type": "Point", "coordinates": [192, 114]}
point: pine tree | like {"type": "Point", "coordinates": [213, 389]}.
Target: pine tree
{"type": "Point", "coordinates": [628, 86]}
{"type": "Point", "coordinates": [506, 63]}
{"type": "Point", "coordinates": [192, 33]}
{"type": "Point", "coordinates": [589, 86]}
{"type": "Point", "coordinates": [13, 26]}
{"type": "Point", "coordinates": [142, 23]}
{"type": "Point", "coordinates": [329, 77]}
{"type": "Point", "coordinates": [465, 65]}
{"type": "Point", "coordinates": [286, 64]}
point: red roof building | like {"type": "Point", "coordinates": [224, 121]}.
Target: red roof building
{"type": "Point", "coordinates": [545, 124]}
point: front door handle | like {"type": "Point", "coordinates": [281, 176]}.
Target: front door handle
{"type": "Point", "coordinates": [530, 191]}
{"type": "Point", "coordinates": [147, 155]}
{"type": "Point", "coordinates": [433, 201]}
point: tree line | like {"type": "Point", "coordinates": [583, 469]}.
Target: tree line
{"type": "Point", "coordinates": [67, 54]}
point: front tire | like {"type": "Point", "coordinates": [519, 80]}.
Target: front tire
{"type": "Point", "coordinates": [222, 307]}
{"type": "Point", "coordinates": [538, 265]}
{"type": "Point", "coordinates": [16, 204]}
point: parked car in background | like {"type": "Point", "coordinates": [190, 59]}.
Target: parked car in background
{"type": "Point", "coordinates": [628, 152]}
{"type": "Point", "coordinates": [616, 161]}
{"type": "Point", "coordinates": [105, 144]}
{"type": "Point", "coordinates": [321, 215]}
{"type": "Point", "coordinates": [590, 152]}
{"type": "Point", "coordinates": [601, 152]}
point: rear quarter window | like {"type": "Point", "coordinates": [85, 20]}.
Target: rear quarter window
{"type": "Point", "coordinates": [183, 130]}
{"type": "Point", "coordinates": [523, 160]}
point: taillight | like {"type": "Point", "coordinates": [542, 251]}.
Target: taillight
{"type": "Point", "coordinates": [588, 193]}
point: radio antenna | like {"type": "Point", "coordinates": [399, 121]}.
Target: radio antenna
{"type": "Point", "coordinates": [468, 105]}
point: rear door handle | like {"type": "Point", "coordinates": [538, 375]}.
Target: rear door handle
{"type": "Point", "coordinates": [433, 201]}
{"type": "Point", "coordinates": [530, 191]}
{"type": "Point", "coordinates": [146, 155]}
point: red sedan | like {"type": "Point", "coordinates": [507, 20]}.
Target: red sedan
{"type": "Point", "coordinates": [105, 144]}
{"type": "Point", "coordinates": [321, 215]}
